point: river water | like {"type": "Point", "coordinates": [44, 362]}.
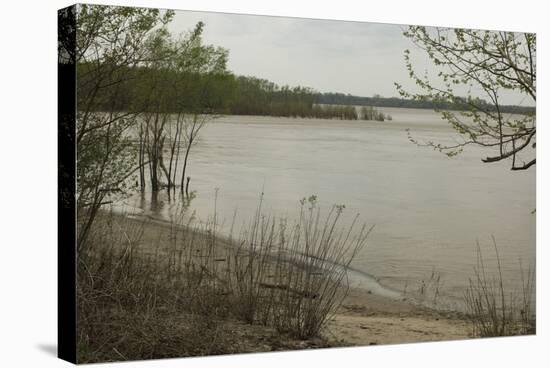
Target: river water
{"type": "Point", "coordinates": [429, 210]}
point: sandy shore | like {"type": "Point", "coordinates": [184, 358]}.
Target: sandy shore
{"type": "Point", "coordinates": [369, 319]}
{"type": "Point", "coordinates": [364, 318]}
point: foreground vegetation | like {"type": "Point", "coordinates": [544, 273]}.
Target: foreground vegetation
{"type": "Point", "coordinates": [492, 309]}
{"type": "Point", "coordinates": [186, 291]}
{"type": "Point", "coordinates": [181, 294]}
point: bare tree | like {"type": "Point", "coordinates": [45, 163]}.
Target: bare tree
{"type": "Point", "coordinates": [196, 88]}
{"type": "Point", "coordinates": [174, 135]}
{"type": "Point", "coordinates": [186, 62]}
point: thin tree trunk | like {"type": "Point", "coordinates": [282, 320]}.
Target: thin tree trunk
{"type": "Point", "coordinates": [174, 142]}
{"type": "Point", "coordinates": [141, 157]}
{"type": "Point", "coordinates": [185, 163]}
{"type": "Point", "coordinates": [178, 146]}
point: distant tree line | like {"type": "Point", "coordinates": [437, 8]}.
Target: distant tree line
{"type": "Point", "coordinates": [254, 96]}
{"type": "Point", "coordinates": [379, 101]}
{"type": "Point", "coordinates": [170, 90]}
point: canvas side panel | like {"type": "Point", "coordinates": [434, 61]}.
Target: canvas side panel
{"type": "Point", "coordinates": [66, 82]}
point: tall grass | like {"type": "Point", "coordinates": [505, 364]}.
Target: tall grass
{"type": "Point", "coordinates": [169, 290]}
{"type": "Point", "coordinates": [427, 290]}
{"type": "Point", "coordinates": [492, 310]}
{"type": "Point", "coordinates": [140, 302]}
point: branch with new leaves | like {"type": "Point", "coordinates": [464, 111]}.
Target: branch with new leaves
{"type": "Point", "coordinates": [474, 70]}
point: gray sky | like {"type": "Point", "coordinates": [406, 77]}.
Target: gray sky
{"type": "Point", "coordinates": [330, 56]}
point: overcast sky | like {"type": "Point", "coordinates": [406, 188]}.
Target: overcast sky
{"type": "Point", "coordinates": [330, 56]}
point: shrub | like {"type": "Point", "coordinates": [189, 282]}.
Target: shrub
{"type": "Point", "coordinates": [294, 277]}
{"type": "Point", "coordinates": [169, 290]}
{"type": "Point", "coordinates": [491, 309]}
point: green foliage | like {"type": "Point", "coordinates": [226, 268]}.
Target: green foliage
{"type": "Point", "coordinates": [255, 96]}
{"type": "Point", "coordinates": [110, 45]}
{"type": "Point", "coordinates": [334, 112]}
{"type": "Point", "coordinates": [131, 74]}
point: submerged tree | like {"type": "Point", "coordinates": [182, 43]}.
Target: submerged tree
{"type": "Point", "coordinates": [153, 99]}
{"type": "Point", "coordinates": [486, 65]}
{"type": "Point", "coordinates": [200, 87]}
{"type": "Point", "coordinates": [183, 83]}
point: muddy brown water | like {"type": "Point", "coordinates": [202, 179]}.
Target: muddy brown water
{"type": "Point", "coordinates": [429, 210]}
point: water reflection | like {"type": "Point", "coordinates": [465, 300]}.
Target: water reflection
{"type": "Point", "coordinates": [164, 205]}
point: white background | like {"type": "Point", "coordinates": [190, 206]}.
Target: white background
{"type": "Point", "coordinates": [28, 184]}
